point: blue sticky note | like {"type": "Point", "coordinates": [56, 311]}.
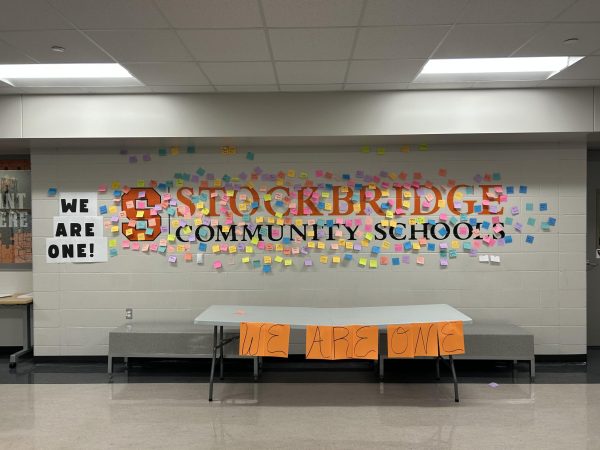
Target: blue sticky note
{"type": "Point", "coordinates": [113, 252]}
{"type": "Point", "coordinates": [510, 189]}
{"type": "Point", "coordinates": [522, 189]}
{"type": "Point", "coordinates": [202, 246]}
{"type": "Point", "coordinates": [551, 221]}
{"type": "Point", "coordinates": [395, 261]}
{"type": "Point", "coordinates": [266, 268]}
{"type": "Point", "coordinates": [543, 206]}
{"type": "Point", "coordinates": [452, 254]}
{"type": "Point", "coordinates": [117, 193]}
{"type": "Point", "coordinates": [496, 176]}
{"type": "Point", "coordinates": [508, 221]}
{"type": "Point", "coordinates": [376, 250]}
{"type": "Point", "coordinates": [508, 239]}
{"type": "Point", "coordinates": [485, 224]}
{"type": "Point", "coordinates": [52, 192]}
{"type": "Point", "coordinates": [529, 239]}
{"type": "Point", "coordinates": [250, 156]}
{"type": "Point", "coordinates": [407, 246]}
{"type": "Point", "coordinates": [431, 247]}
{"type": "Point", "coordinates": [103, 209]}
{"type": "Point", "coordinates": [191, 149]}
{"type": "Point", "coordinates": [477, 208]}
{"type": "Point", "coordinates": [348, 256]}
{"type": "Point", "coordinates": [200, 171]}
{"type": "Point", "coordinates": [473, 221]}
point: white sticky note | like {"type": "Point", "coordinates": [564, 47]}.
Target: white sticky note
{"type": "Point", "coordinates": [495, 259]}
{"type": "Point", "coordinates": [484, 258]}
{"type": "Point", "coordinates": [199, 258]}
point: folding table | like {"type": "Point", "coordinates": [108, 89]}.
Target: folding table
{"type": "Point", "coordinates": [219, 316]}
{"type": "Point", "coordinates": [26, 303]}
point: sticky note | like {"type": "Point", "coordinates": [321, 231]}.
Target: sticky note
{"type": "Point", "coordinates": [420, 260]}
{"type": "Point", "coordinates": [52, 192]}
{"type": "Point", "coordinates": [522, 189]}
{"type": "Point", "coordinates": [217, 264]}
{"type": "Point", "coordinates": [543, 206]}
{"type": "Point", "coordinates": [484, 258]}
{"type": "Point", "coordinates": [199, 258]}
{"type": "Point", "coordinates": [172, 259]}
{"type": "Point", "coordinates": [529, 239]}
{"type": "Point", "coordinates": [373, 263]}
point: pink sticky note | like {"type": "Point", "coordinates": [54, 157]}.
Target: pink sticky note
{"type": "Point", "coordinates": [102, 188]}
{"type": "Point", "coordinates": [217, 264]}
{"type": "Point", "coordinates": [135, 246]}
{"type": "Point", "coordinates": [125, 244]}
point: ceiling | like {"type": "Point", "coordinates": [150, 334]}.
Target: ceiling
{"type": "Point", "coordinates": [295, 45]}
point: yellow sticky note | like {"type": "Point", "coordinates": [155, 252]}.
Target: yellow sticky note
{"type": "Point", "coordinates": [128, 231]}
{"type": "Point", "coordinates": [249, 249]}
{"type": "Point", "coordinates": [288, 262]}
{"type": "Point", "coordinates": [112, 209]}
{"type": "Point", "coordinates": [416, 246]}
{"type": "Point", "coordinates": [278, 259]}
{"type": "Point", "coordinates": [336, 259]}
{"type": "Point", "coordinates": [112, 243]}
{"type": "Point", "coordinates": [246, 259]}
{"type": "Point", "coordinates": [321, 245]}
{"type": "Point", "coordinates": [369, 236]}
{"type": "Point", "coordinates": [311, 244]}
{"type": "Point", "coordinates": [232, 249]}
{"type": "Point", "coordinates": [373, 264]}
{"type": "Point", "coordinates": [267, 260]}
{"type": "Point", "coordinates": [114, 229]}
{"type": "Point", "coordinates": [362, 262]}
{"type": "Point", "coordinates": [139, 214]}
{"type": "Point", "coordinates": [323, 259]}
{"type": "Point", "coordinates": [171, 238]}
{"type": "Point", "coordinates": [216, 248]}
{"type": "Point", "coordinates": [455, 245]}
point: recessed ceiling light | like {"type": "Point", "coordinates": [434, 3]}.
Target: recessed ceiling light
{"type": "Point", "coordinates": [57, 49]}
{"type": "Point", "coordinates": [570, 41]}
{"type": "Point", "coordinates": [66, 75]}
{"type": "Point", "coordinates": [494, 69]}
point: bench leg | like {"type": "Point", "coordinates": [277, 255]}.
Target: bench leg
{"type": "Point", "coordinates": [110, 365]}
{"type": "Point", "coordinates": [454, 378]}
{"type": "Point", "coordinates": [212, 365]}
{"type": "Point", "coordinates": [221, 353]}
{"type": "Point", "coordinates": [532, 370]}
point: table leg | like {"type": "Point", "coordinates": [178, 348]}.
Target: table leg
{"type": "Point", "coordinates": [381, 359]}
{"type": "Point", "coordinates": [255, 368]}
{"type": "Point", "coordinates": [212, 365]}
{"type": "Point", "coordinates": [454, 378]}
{"type": "Point", "coordinates": [437, 367]}
{"type": "Point", "coordinates": [221, 353]}
{"type": "Point", "coordinates": [27, 338]}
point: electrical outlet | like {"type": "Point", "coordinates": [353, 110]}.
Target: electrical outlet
{"type": "Point", "coordinates": [129, 313]}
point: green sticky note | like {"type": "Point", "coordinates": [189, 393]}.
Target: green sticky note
{"type": "Point", "coordinates": [162, 152]}
{"type": "Point", "coordinates": [191, 149]}
{"type": "Point", "coordinates": [529, 207]}
{"type": "Point", "coordinates": [250, 156]}
{"type": "Point", "coordinates": [531, 222]}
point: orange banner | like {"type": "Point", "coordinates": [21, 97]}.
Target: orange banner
{"type": "Point", "coordinates": [264, 339]}
{"type": "Point", "coordinates": [451, 338]}
{"type": "Point", "coordinates": [342, 342]}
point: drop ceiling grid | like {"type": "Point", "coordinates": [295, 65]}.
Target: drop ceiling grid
{"type": "Point", "coordinates": [296, 45]}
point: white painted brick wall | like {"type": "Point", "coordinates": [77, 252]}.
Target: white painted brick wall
{"type": "Point", "coordinates": [540, 287]}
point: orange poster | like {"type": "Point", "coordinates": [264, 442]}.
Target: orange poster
{"type": "Point", "coordinates": [400, 341]}
{"type": "Point", "coordinates": [451, 338]}
{"type": "Point", "coordinates": [426, 339]}
{"type": "Point", "coordinates": [264, 339]}
{"type": "Point", "coordinates": [319, 342]}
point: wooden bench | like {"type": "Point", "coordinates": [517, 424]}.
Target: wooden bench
{"type": "Point", "coordinates": [165, 340]}
{"type": "Point", "coordinates": [499, 342]}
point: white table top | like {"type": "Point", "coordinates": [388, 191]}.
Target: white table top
{"type": "Point", "coordinates": [298, 317]}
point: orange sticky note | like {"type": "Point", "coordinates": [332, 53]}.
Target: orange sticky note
{"type": "Point", "coordinates": [365, 342]}
{"type": "Point", "coordinates": [319, 342]}
{"type": "Point", "coordinates": [264, 339]}
{"type": "Point", "coordinates": [426, 339]}
{"type": "Point", "coordinates": [400, 341]}
{"type": "Point", "coordinates": [451, 338]}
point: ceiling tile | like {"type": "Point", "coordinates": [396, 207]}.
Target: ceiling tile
{"type": "Point", "coordinates": [181, 89]}
{"type": "Point", "coordinates": [582, 11]}
{"type": "Point", "coordinates": [175, 73]}
{"type": "Point", "coordinates": [398, 71]}
{"type": "Point", "coordinates": [141, 45]}
{"type": "Point", "coordinates": [549, 42]}
{"type": "Point", "coordinates": [318, 72]}
{"type": "Point", "coordinates": [311, 43]}
{"type": "Point", "coordinates": [9, 55]}
{"type": "Point", "coordinates": [30, 15]}
{"type": "Point", "coordinates": [240, 73]}
{"type": "Point", "coordinates": [586, 69]}
{"type": "Point", "coordinates": [512, 11]}
{"type": "Point", "coordinates": [375, 86]}
{"type": "Point", "coordinates": [248, 88]}
{"type": "Point", "coordinates": [211, 13]}
{"type": "Point", "coordinates": [36, 44]}
{"type": "Point", "coordinates": [111, 14]}
{"type": "Point", "coordinates": [485, 41]}
{"type": "Point", "coordinates": [398, 42]}
{"type": "Point", "coordinates": [312, 13]}
{"type": "Point", "coordinates": [226, 45]}
{"type": "Point", "coordinates": [412, 12]}
{"type": "Point", "coordinates": [311, 87]}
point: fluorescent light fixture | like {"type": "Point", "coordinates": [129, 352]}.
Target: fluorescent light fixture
{"type": "Point", "coordinates": [493, 69]}
{"type": "Point", "coordinates": [66, 75]}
